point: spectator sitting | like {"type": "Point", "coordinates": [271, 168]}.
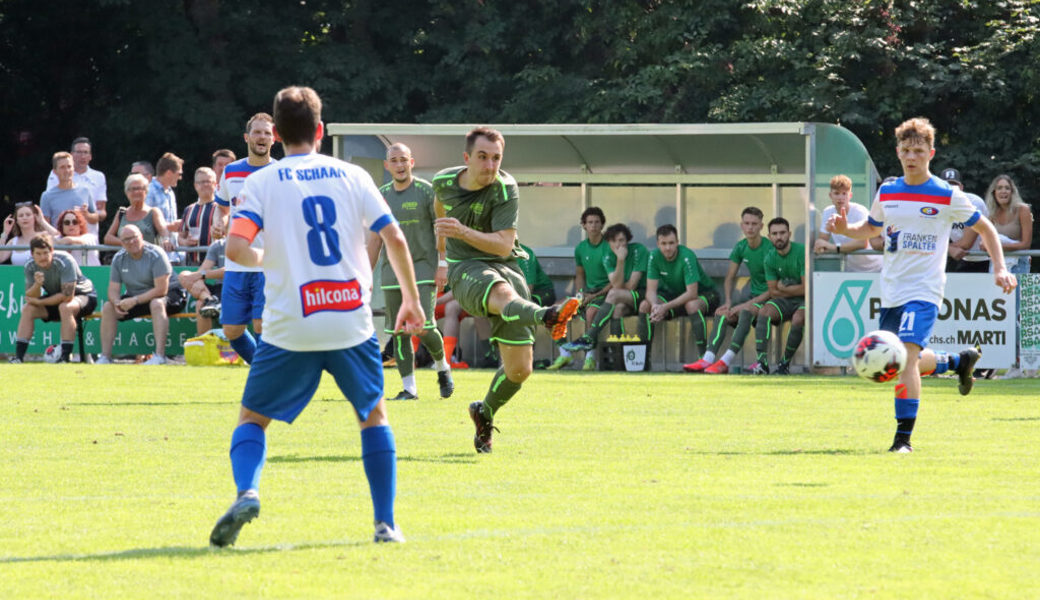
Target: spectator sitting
{"type": "Point", "coordinates": [67, 194]}
{"type": "Point", "coordinates": [200, 216]}
{"type": "Point", "coordinates": [74, 232]}
{"type": "Point", "coordinates": [19, 228]}
{"type": "Point", "coordinates": [55, 290]}
{"type": "Point", "coordinates": [148, 220]}
{"type": "Point", "coordinates": [448, 308]}
{"type": "Point", "coordinates": [145, 271]}
{"type": "Point", "coordinates": [207, 295]}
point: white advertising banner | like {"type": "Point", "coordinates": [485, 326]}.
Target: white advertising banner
{"type": "Point", "coordinates": [974, 311]}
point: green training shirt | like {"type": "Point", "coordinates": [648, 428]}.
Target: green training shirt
{"type": "Point", "coordinates": [492, 208]}
{"type": "Point", "coordinates": [533, 273]}
{"type": "Point", "coordinates": [636, 260]}
{"type": "Point", "coordinates": [413, 209]}
{"type": "Point", "coordinates": [789, 268]}
{"type": "Point", "coordinates": [673, 276]}
{"type": "Point", "coordinates": [591, 258]}
{"type": "Point", "coordinates": [755, 259]}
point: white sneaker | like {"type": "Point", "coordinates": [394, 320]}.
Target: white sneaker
{"type": "Point", "coordinates": [103, 360]}
{"type": "Point", "coordinates": [1013, 373]}
{"type": "Point", "coordinates": [155, 360]}
{"type": "Point", "coordinates": [385, 533]}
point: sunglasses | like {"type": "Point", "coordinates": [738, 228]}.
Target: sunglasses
{"type": "Point", "coordinates": [22, 204]}
{"type": "Point", "coordinates": [70, 222]}
{"type": "Point", "coordinates": [136, 188]}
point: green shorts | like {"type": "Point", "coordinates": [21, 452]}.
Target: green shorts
{"type": "Point", "coordinates": [710, 297]}
{"type": "Point", "coordinates": [427, 298]}
{"type": "Point", "coordinates": [471, 282]}
{"type": "Point", "coordinates": [787, 306]}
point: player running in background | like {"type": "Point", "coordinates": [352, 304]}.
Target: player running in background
{"type": "Point", "coordinates": [741, 306]}
{"type": "Point", "coordinates": [916, 213]}
{"type": "Point", "coordinates": [411, 202]}
{"type": "Point", "coordinates": [478, 209]}
{"type": "Point", "coordinates": [242, 297]}
{"type": "Point", "coordinates": [314, 211]}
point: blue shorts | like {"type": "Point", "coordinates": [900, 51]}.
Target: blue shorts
{"type": "Point", "coordinates": [358, 372]}
{"type": "Point", "coordinates": [242, 299]}
{"type": "Point", "coordinates": [912, 322]}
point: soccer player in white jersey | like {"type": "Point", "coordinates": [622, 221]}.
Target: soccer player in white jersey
{"type": "Point", "coordinates": [242, 295]}
{"type": "Point", "coordinates": [313, 211]}
{"type": "Point", "coordinates": [915, 213]}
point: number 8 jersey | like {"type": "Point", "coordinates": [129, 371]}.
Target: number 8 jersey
{"type": "Point", "coordinates": [313, 211]}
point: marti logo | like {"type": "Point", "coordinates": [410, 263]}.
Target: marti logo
{"type": "Point", "coordinates": [340, 296]}
{"type": "Point", "coordinates": [843, 326]}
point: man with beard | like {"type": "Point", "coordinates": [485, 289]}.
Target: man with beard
{"type": "Point", "coordinates": [785, 275]}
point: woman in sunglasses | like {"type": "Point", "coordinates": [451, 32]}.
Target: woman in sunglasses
{"type": "Point", "coordinates": [19, 228]}
{"type": "Point", "coordinates": [148, 219]}
{"type": "Point", "coordinates": [73, 227]}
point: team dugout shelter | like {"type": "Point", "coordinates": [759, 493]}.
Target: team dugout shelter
{"type": "Point", "coordinates": [698, 177]}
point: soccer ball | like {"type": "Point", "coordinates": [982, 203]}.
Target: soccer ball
{"type": "Point", "coordinates": [52, 354]}
{"type": "Point", "coordinates": [879, 356]}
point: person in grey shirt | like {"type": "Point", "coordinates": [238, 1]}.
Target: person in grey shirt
{"type": "Point", "coordinates": [206, 294]}
{"type": "Point", "coordinates": [144, 270]}
{"type": "Point", "coordinates": [55, 290]}
{"type": "Point", "coordinates": [67, 195]}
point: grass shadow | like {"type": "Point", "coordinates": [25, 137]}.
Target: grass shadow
{"type": "Point", "coordinates": [454, 458]}
{"type": "Point", "coordinates": [1015, 419]}
{"type": "Point", "coordinates": [177, 552]}
{"type": "Point", "coordinates": [795, 452]}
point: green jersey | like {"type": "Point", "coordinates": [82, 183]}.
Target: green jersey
{"type": "Point", "coordinates": [755, 259]}
{"type": "Point", "coordinates": [413, 210]}
{"type": "Point", "coordinates": [492, 208]}
{"type": "Point", "coordinates": [673, 276]}
{"type": "Point", "coordinates": [636, 260]}
{"type": "Point", "coordinates": [788, 268]}
{"type": "Point", "coordinates": [591, 259]}
{"type": "Point", "coordinates": [533, 273]}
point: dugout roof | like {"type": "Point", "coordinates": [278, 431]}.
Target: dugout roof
{"type": "Point", "coordinates": [733, 153]}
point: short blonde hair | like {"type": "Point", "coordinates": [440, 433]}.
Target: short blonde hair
{"type": "Point", "coordinates": [58, 156]}
{"type": "Point", "coordinates": [841, 183]}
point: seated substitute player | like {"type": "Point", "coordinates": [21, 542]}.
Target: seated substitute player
{"type": "Point", "coordinates": [313, 211]}
{"type": "Point", "coordinates": [411, 202]}
{"type": "Point", "coordinates": [206, 295]}
{"type": "Point", "coordinates": [785, 275]}
{"type": "Point", "coordinates": [741, 307]}
{"type": "Point", "coordinates": [477, 210]}
{"type": "Point", "coordinates": [590, 279]}
{"type": "Point", "coordinates": [855, 262]}
{"type": "Point", "coordinates": [676, 286]}
{"type": "Point", "coordinates": [916, 213]}
{"type": "Point", "coordinates": [55, 290]}
{"type": "Point", "coordinates": [145, 271]}
{"type": "Point", "coordinates": [626, 270]}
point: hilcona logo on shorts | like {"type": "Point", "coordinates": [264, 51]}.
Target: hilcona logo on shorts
{"type": "Point", "coordinates": [340, 296]}
{"type": "Point", "coordinates": [843, 325]}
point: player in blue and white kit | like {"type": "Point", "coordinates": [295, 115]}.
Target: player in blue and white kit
{"type": "Point", "coordinates": [313, 211]}
{"type": "Point", "coordinates": [242, 297]}
{"type": "Point", "coordinates": [915, 214]}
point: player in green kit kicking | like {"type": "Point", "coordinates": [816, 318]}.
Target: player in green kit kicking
{"type": "Point", "coordinates": [590, 278]}
{"type": "Point", "coordinates": [785, 275]}
{"type": "Point", "coordinates": [478, 208]}
{"type": "Point", "coordinates": [626, 269]}
{"type": "Point", "coordinates": [741, 306]}
{"type": "Point", "coordinates": [676, 285]}
{"type": "Point", "coordinates": [411, 202]}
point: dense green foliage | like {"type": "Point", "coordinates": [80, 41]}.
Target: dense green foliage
{"type": "Point", "coordinates": [141, 78]}
{"type": "Point", "coordinates": [601, 485]}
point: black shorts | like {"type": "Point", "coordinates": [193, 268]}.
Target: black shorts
{"type": "Point", "coordinates": [88, 307]}
{"type": "Point", "coordinates": [176, 299]}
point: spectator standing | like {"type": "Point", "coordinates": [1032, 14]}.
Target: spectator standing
{"type": "Point", "coordinates": [148, 220]}
{"type": "Point", "coordinates": [74, 232]}
{"type": "Point", "coordinates": [144, 270]}
{"type": "Point", "coordinates": [143, 167]}
{"type": "Point", "coordinates": [827, 242]}
{"type": "Point", "coordinates": [55, 290]}
{"type": "Point", "coordinates": [221, 158]}
{"type": "Point", "coordinates": [199, 216]}
{"type": "Point", "coordinates": [66, 195]}
{"type": "Point", "coordinates": [1013, 219]}
{"type": "Point", "coordinates": [92, 179]}
{"type": "Point", "coordinates": [964, 239]}
{"type": "Point", "coordinates": [19, 229]}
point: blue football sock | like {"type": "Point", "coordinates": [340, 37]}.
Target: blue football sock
{"type": "Point", "coordinates": [379, 455]}
{"type": "Point", "coordinates": [955, 360]}
{"type": "Point", "coordinates": [248, 453]}
{"type": "Point", "coordinates": [245, 345]}
{"type": "Point", "coordinates": [906, 414]}
{"type": "Point", "coordinates": [942, 363]}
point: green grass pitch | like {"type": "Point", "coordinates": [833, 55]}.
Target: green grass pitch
{"type": "Point", "coordinates": [600, 486]}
